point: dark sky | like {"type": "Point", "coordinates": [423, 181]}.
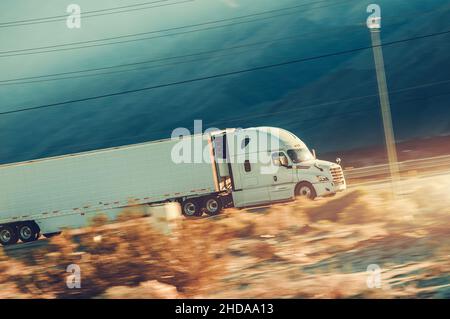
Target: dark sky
{"type": "Point", "coordinates": [329, 102]}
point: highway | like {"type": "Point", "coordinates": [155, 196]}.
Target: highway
{"type": "Point", "coordinates": [423, 164]}
{"type": "Point", "coordinates": [405, 185]}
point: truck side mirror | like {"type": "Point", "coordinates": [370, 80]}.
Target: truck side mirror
{"type": "Point", "coordinates": [314, 153]}
{"type": "Point", "coordinates": [284, 161]}
{"type": "Point", "coordinates": [338, 161]}
{"type": "Point", "coordinates": [277, 162]}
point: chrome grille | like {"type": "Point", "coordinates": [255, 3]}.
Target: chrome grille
{"type": "Point", "coordinates": [338, 175]}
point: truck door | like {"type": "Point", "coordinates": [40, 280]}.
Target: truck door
{"type": "Point", "coordinates": [251, 188]}
{"type": "Point", "coordinates": [282, 187]}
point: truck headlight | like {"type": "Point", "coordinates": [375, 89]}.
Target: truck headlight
{"type": "Point", "coordinates": [321, 178]}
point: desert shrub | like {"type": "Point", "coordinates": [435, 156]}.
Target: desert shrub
{"type": "Point", "coordinates": [237, 224]}
{"type": "Point", "coordinates": [99, 220]}
{"type": "Point", "coordinates": [131, 212]}
{"type": "Point", "coordinates": [263, 251]}
{"type": "Point", "coordinates": [189, 260]}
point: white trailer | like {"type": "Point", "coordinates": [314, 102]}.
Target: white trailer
{"type": "Point", "coordinates": [204, 173]}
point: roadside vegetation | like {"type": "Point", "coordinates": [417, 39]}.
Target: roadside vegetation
{"type": "Point", "coordinates": [317, 249]}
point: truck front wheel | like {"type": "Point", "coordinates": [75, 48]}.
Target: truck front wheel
{"type": "Point", "coordinates": [191, 208]}
{"type": "Point", "coordinates": [212, 205]}
{"type": "Point", "coordinates": [305, 190]}
{"type": "Point", "coordinates": [8, 235]}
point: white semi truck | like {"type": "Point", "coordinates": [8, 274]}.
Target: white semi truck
{"type": "Point", "coordinates": [203, 172]}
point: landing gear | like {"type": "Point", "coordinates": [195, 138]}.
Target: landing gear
{"type": "Point", "coordinates": [50, 235]}
{"type": "Point", "coordinates": [305, 190]}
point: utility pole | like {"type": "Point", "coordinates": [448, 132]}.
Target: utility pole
{"type": "Point", "coordinates": [374, 25]}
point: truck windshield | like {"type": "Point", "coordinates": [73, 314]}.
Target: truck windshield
{"type": "Point", "coordinates": [300, 155]}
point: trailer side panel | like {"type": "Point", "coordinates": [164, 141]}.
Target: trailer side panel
{"type": "Point", "coordinates": [110, 178]}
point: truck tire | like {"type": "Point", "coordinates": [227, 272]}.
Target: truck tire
{"type": "Point", "coordinates": [8, 235]}
{"type": "Point", "coordinates": [212, 205]}
{"type": "Point", "coordinates": [306, 190]}
{"type": "Point", "coordinates": [191, 208]}
{"type": "Point", "coordinates": [27, 232]}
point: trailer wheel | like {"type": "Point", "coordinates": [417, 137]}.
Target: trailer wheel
{"type": "Point", "coordinates": [27, 232]}
{"type": "Point", "coordinates": [8, 235]}
{"type": "Point", "coordinates": [212, 206]}
{"type": "Point", "coordinates": [306, 190]}
{"type": "Point", "coordinates": [191, 208]}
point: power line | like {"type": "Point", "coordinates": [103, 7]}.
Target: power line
{"type": "Point", "coordinates": [313, 106]}
{"type": "Point", "coordinates": [79, 45]}
{"type": "Point", "coordinates": [245, 45]}
{"type": "Point", "coordinates": [22, 80]}
{"type": "Point", "coordinates": [264, 67]}
{"type": "Point", "coordinates": [317, 118]}
{"type": "Point", "coordinates": [89, 14]}
{"type": "Point", "coordinates": [122, 71]}
{"type": "Point", "coordinates": [85, 12]}
{"type": "Point", "coordinates": [375, 108]}
{"type": "Point", "coordinates": [328, 103]}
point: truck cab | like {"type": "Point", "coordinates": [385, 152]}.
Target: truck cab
{"type": "Point", "coordinates": [269, 165]}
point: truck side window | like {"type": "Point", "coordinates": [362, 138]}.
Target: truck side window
{"type": "Point", "coordinates": [279, 159]}
{"type": "Point", "coordinates": [247, 166]}
{"type": "Point", "coordinates": [220, 149]}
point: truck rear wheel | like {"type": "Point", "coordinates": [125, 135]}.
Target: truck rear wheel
{"type": "Point", "coordinates": [8, 235]}
{"type": "Point", "coordinates": [212, 206]}
{"type": "Point", "coordinates": [191, 208]}
{"type": "Point", "coordinates": [305, 190]}
{"type": "Point", "coordinates": [27, 232]}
